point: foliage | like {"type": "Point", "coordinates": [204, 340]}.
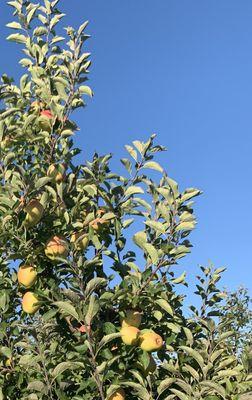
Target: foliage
{"type": "Point", "coordinates": [236, 315]}
{"type": "Point", "coordinates": [101, 244]}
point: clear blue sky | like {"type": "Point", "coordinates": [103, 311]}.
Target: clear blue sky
{"type": "Point", "coordinates": [182, 69]}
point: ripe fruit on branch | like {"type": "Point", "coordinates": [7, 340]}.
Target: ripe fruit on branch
{"type": "Point", "coordinates": [132, 318]}
{"type": "Point", "coordinates": [29, 303]}
{"type": "Point", "coordinates": [130, 335]}
{"type": "Point", "coordinates": [57, 247]}
{"type": "Point", "coordinates": [84, 329]}
{"type": "Point", "coordinates": [80, 240]}
{"type": "Point", "coordinates": [119, 394]}
{"type": "Point", "coordinates": [45, 121]}
{"type": "Point", "coordinates": [8, 362]}
{"type": "Point", "coordinates": [26, 275]}
{"type": "Point", "coordinates": [150, 341]}
{"type": "Point", "coordinates": [34, 212]}
{"type": "Point", "coordinates": [56, 172]}
{"type": "Point", "coordinates": [99, 222]}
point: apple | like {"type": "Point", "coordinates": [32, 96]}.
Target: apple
{"type": "Point", "coordinates": [45, 121]}
{"type": "Point", "coordinates": [57, 247]}
{"type": "Point", "coordinates": [56, 172]}
{"type": "Point", "coordinates": [119, 394]}
{"type": "Point", "coordinates": [8, 362]}
{"type": "Point", "coordinates": [132, 318]}
{"type": "Point", "coordinates": [26, 275]}
{"type": "Point", "coordinates": [150, 341]}
{"type": "Point", "coordinates": [84, 329]}
{"type": "Point", "coordinates": [80, 240]}
{"type": "Point", "coordinates": [130, 335]}
{"type": "Point", "coordinates": [34, 212]}
{"type": "Point", "coordinates": [29, 303]}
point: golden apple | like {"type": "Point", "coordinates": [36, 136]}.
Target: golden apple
{"type": "Point", "coordinates": [80, 240]}
{"type": "Point", "coordinates": [8, 362]}
{"type": "Point", "coordinates": [34, 212]}
{"type": "Point", "coordinates": [29, 303]}
{"type": "Point", "coordinates": [119, 394]}
{"type": "Point", "coordinates": [26, 275]}
{"type": "Point", "coordinates": [132, 318]}
{"type": "Point", "coordinates": [150, 341]}
{"type": "Point", "coordinates": [130, 335]}
{"type": "Point", "coordinates": [57, 247]}
{"type": "Point", "coordinates": [56, 172]}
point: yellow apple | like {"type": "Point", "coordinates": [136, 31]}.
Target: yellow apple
{"type": "Point", "coordinates": [34, 212]}
{"type": "Point", "coordinates": [29, 303]}
{"type": "Point", "coordinates": [119, 394]}
{"type": "Point", "coordinates": [8, 362]}
{"type": "Point", "coordinates": [26, 275]}
{"type": "Point", "coordinates": [56, 172]}
{"type": "Point", "coordinates": [130, 335]}
{"type": "Point", "coordinates": [80, 240]}
{"type": "Point", "coordinates": [132, 318]}
{"type": "Point", "coordinates": [150, 341]}
{"type": "Point", "coordinates": [56, 247]}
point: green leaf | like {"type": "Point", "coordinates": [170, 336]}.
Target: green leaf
{"type": "Point", "coordinates": [216, 387]}
{"type": "Point", "coordinates": [86, 90]}
{"type": "Point", "coordinates": [106, 339]}
{"type": "Point", "coordinates": [93, 285]}
{"type": "Point", "coordinates": [65, 365]}
{"type": "Point", "coordinates": [40, 30]}
{"type": "Point", "coordinates": [5, 351]}
{"type": "Point", "coordinates": [157, 226]}
{"type": "Point", "coordinates": [165, 384]}
{"type": "Point", "coordinates": [93, 308]}
{"type": "Point", "coordinates": [36, 385]}
{"type": "Point", "coordinates": [180, 395]}
{"type": "Point", "coordinates": [67, 308]}
{"type": "Point", "coordinates": [141, 392]}
{"type": "Point", "coordinates": [17, 5]}
{"type": "Point", "coordinates": [17, 37]}
{"type": "Point", "coordinates": [152, 252]}
{"type": "Point", "coordinates": [132, 152]}
{"type": "Point", "coordinates": [140, 239]}
{"type": "Point", "coordinates": [179, 279]}
{"type": "Point", "coordinates": [185, 226]}
{"type": "Point", "coordinates": [82, 27]}
{"type": "Point", "coordinates": [194, 354]}
{"type": "Point", "coordinates": [56, 19]}
{"type": "Point", "coordinates": [14, 25]}
{"type": "Point", "coordinates": [165, 306]}
{"type": "Point", "coordinates": [133, 190]}
{"type": "Point", "coordinates": [189, 194]}
{"type": "Point", "coordinates": [191, 370]}
{"type": "Point", "coordinates": [153, 165]}
{"type": "Point", "coordinates": [139, 146]}
{"type": "Point", "coordinates": [42, 182]}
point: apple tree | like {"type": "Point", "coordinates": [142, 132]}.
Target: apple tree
{"type": "Point", "coordinates": [89, 305]}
